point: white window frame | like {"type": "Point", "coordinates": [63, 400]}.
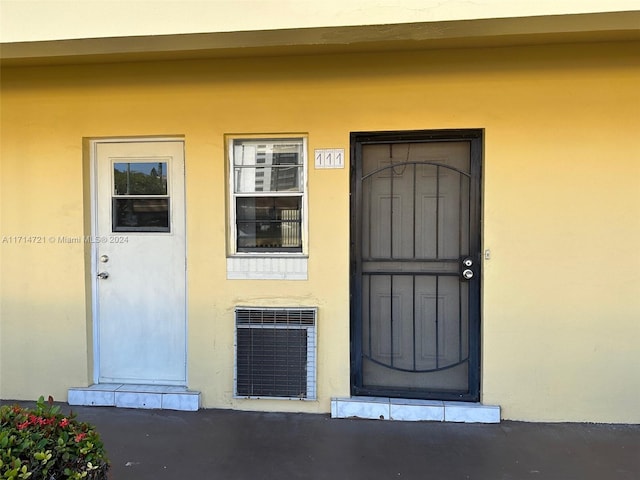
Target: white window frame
{"type": "Point", "coordinates": [267, 265]}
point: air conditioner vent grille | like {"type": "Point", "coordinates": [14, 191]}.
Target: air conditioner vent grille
{"type": "Point", "coordinates": [272, 316]}
{"type": "Point", "coordinates": [275, 353]}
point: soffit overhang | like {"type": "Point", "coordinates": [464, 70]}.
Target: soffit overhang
{"type": "Point", "coordinates": [597, 27]}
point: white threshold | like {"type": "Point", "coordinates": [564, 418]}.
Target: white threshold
{"type": "Point", "coordinates": [164, 397]}
{"type": "Point", "coordinates": [383, 408]}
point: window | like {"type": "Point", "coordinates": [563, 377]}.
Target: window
{"type": "Point", "coordinates": [140, 197]}
{"type": "Point", "coordinates": [267, 195]}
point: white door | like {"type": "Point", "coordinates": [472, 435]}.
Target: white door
{"type": "Point", "coordinates": [140, 262]}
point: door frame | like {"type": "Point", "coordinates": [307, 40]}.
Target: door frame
{"type": "Point", "coordinates": [357, 139]}
{"type": "Point", "coordinates": [91, 144]}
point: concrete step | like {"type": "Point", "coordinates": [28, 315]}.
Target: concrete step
{"type": "Point", "coordinates": [165, 397]}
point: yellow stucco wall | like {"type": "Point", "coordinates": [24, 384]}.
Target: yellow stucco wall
{"type": "Point", "coordinates": [561, 303]}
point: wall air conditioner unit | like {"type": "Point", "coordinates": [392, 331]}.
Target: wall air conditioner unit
{"type": "Point", "coordinates": [275, 353]}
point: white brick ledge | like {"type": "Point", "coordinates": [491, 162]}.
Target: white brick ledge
{"type": "Point", "coordinates": [382, 408]}
{"type": "Point", "coordinates": [267, 268]}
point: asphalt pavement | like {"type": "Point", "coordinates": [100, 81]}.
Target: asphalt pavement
{"type": "Point", "coordinates": [234, 445]}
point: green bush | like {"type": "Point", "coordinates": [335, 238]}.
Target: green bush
{"type": "Point", "coordinates": [42, 443]}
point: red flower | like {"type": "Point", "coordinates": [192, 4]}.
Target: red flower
{"type": "Point", "coordinates": [23, 425]}
{"type": "Point", "coordinates": [80, 436]}
{"type": "Point", "coordinates": [64, 422]}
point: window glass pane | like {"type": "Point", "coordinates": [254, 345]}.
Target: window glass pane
{"type": "Point", "coordinates": [140, 178]}
{"type": "Point", "coordinates": [267, 179]}
{"type": "Point", "coordinates": [269, 223]}
{"type": "Point", "coordinates": [264, 152]}
{"type": "Point", "coordinates": [140, 214]}
{"type": "Point", "coordinates": [267, 165]}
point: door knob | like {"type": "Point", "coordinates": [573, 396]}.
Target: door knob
{"type": "Point", "coordinates": [103, 275]}
{"type": "Point", "coordinates": [467, 274]}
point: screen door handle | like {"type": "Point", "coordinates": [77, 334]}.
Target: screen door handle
{"type": "Point", "coordinates": [103, 275]}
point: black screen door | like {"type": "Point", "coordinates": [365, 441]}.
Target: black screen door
{"type": "Point", "coordinates": [415, 232]}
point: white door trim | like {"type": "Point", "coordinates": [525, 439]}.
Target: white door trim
{"type": "Point", "coordinates": [93, 172]}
